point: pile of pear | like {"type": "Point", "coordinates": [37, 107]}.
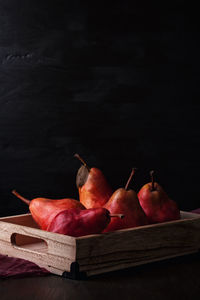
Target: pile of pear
{"type": "Point", "coordinates": [149, 206]}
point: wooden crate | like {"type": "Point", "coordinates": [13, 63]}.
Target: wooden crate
{"type": "Point", "coordinates": [100, 253]}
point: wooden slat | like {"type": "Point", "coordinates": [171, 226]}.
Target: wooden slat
{"type": "Point", "coordinates": [104, 268]}
{"type": "Point", "coordinates": [189, 215]}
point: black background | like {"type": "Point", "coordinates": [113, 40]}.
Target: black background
{"type": "Point", "coordinates": [115, 83]}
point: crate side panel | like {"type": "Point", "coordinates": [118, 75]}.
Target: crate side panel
{"type": "Point", "coordinates": [58, 244]}
{"type": "Point", "coordinates": [41, 258]}
{"type": "Point", "coordinates": [119, 265]}
{"type": "Point", "coordinates": [144, 243]}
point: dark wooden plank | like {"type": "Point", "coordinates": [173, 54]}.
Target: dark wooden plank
{"type": "Point", "coordinates": [103, 80]}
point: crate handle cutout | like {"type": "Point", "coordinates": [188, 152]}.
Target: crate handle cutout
{"type": "Point", "coordinates": [30, 243]}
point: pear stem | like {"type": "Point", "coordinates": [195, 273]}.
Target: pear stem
{"type": "Point", "coordinates": [130, 177]}
{"type": "Point", "coordinates": [121, 216]}
{"type": "Point", "coordinates": [21, 197]}
{"type": "Point", "coordinates": [83, 162]}
{"type": "Point", "coordinates": [152, 180]}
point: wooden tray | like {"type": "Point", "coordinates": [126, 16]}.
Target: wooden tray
{"type": "Point", "coordinates": [100, 253]}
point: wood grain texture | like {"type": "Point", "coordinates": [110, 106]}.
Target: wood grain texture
{"type": "Point", "coordinates": [104, 80]}
{"type": "Point", "coordinates": [96, 254]}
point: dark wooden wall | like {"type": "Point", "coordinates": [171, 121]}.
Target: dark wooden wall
{"type": "Point", "coordinates": [113, 82]}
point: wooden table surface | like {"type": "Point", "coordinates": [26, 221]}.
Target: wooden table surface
{"type": "Point", "coordinates": [177, 278]}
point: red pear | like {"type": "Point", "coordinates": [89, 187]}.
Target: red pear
{"type": "Point", "coordinates": [125, 202]}
{"type": "Point", "coordinates": [156, 204]}
{"type": "Point", "coordinates": [43, 210]}
{"type": "Point", "coordinates": [76, 222]}
{"type": "Point", "coordinates": [94, 190]}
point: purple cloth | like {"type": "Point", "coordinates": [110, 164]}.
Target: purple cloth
{"type": "Point", "coordinates": [196, 211]}
{"type": "Point", "coordinates": [17, 267]}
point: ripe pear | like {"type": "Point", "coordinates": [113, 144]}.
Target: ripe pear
{"type": "Point", "coordinates": [43, 210]}
{"type": "Point", "coordinates": [77, 222]}
{"type": "Point", "coordinates": [156, 204]}
{"type": "Point", "coordinates": [94, 190]}
{"type": "Point", "coordinates": [124, 201]}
